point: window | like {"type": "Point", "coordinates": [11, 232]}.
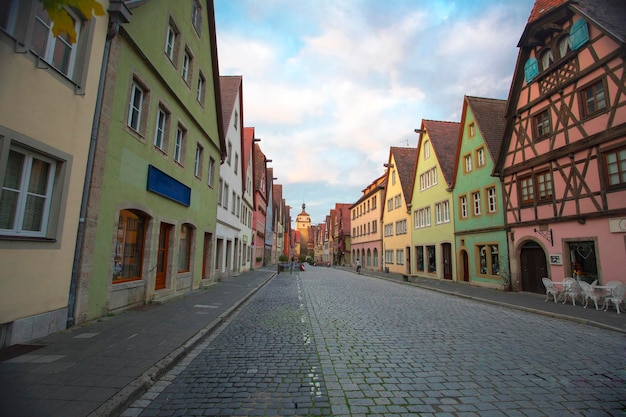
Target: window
{"type": "Point", "coordinates": [390, 204]}
{"type": "Point", "coordinates": [196, 16]}
{"type": "Point", "coordinates": [488, 259]}
{"type": "Point", "coordinates": [225, 196]}
{"type": "Point", "coordinates": [389, 257]}
{"type": "Point", "coordinates": [135, 110]}
{"type": "Point", "coordinates": [426, 150]}
{"type": "Point", "coordinates": [374, 226]}
{"type": "Point", "coordinates": [373, 202]}
{"type": "Point", "coordinates": [397, 201]}
{"type": "Point", "coordinates": [26, 193]}
{"type": "Point", "coordinates": [472, 130]}
{"type": "Point", "coordinates": [432, 259]}
{"type": "Point", "coordinates": [442, 212]}
{"type": "Point", "coordinates": [200, 88]}
{"type": "Point", "coordinates": [543, 126]}
{"type": "Point", "coordinates": [389, 229]}
{"type": "Point", "coordinates": [463, 206]}
{"type": "Point", "coordinates": [584, 264]}
{"type": "Point", "coordinates": [229, 156]}
{"type": "Point", "coordinates": [160, 129]}
{"type": "Point", "coordinates": [419, 255]}
{"type": "Point", "coordinates": [211, 173]}
{"type": "Point", "coordinates": [537, 187]}
{"type": "Point", "coordinates": [492, 203]}
{"type": "Point", "coordinates": [615, 162]}
{"type": "Point", "coordinates": [179, 144]}
{"type": "Point", "coordinates": [476, 203]}
{"type": "Point", "coordinates": [184, 248]}
{"type": "Point", "coordinates": [197, 163]}
{"type": "Point", "coordinates": [428, 178]}
{"type": "Point", "coordinates": [421, 217]}
{"type": "Point", "coordinates": [187, 67]}
{"type": "Point", "coordinates": [393, 177]}
{"type": "Point", "coordinates": [235, 168]}
{"type": "Point", "coordinates": [544, 186]}
{"type": "Point", "coordinates": [400, 256]}
{"type": "Point", "coordinates": [480, 157]}
{"type": "Point", "coordinates": [130, 235]}
{"type": "Point", "coordinates": [234, 203]}
{"type": "Point", "coordinates": [401, 227]}
{"type": "Point", "coordinates": [171, 42]}
{"type": "Point", "coordinates": [59, 51]}
{"type": "Point", "coordinates": [546, 59]}
{"type": "Point", "coordinates": [468, 163]}
{"type": "Point", "coordinates": [236, 119]}
{"type": "Point", "coordinates": [594, 99]}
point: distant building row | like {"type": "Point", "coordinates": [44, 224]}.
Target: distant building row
{"type": "Point", "coordinates": [520, 189]}
{"type": "Point", "coordinates": [127, 174]}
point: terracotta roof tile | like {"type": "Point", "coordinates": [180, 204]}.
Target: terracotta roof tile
{"type": "Point", "coordinates": [489, 114]}
{"type": "Point", "coordinates": [405, 159]}
{"type": "Point", "coordinates": [229, 88]}
{"type": "Point", "coordinates": [444, 137]}
{"type": "Point", "coordinates": [543, 6]}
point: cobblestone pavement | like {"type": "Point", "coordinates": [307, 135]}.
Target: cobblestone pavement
{"type": "Point", "coordinates": [329, 342]}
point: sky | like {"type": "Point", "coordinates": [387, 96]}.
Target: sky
{"type": "Point", "coordinates": [331, 85]}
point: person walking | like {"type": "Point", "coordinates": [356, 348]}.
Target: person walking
{"type": "Point", "coordinates": [358, 266]}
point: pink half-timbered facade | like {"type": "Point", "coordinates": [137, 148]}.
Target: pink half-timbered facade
{"type": "Point", "coordinates": [563, 159]}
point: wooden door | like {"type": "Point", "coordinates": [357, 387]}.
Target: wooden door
{"type": "Point", "coordinates": [465, 259]}
{"type": "Point", "coordinates": [446, 254]}
{"type": "Point", "coordinates": [534, 267]}
{"type": "Point", "coordinates": [162, 256]}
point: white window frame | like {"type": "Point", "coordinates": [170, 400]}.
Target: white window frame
{"type": "Point", "coordinates": [179, 144]}
{"type": "Point", "coordinates": [135, 110]}
{"type": "Point", "coordinates": [463, 206]}
{"type": "Point", "coordinates": [170, 42]}
{"type": "Point", "coordinates": [159, 130]}
{"type": "Point", "coordinates": [476, 203]}
{"type": "Point", "coordinates": [480, 157]}
{"type": "Point", "coordinates": [211, 173]}
{"type": "Point", "coordinates": [197, 163]}
{"type": "Point", "coordinates": [51, 41]}
{"type": "Point", "coordinates": [492, 205]}
{"type": "Point", "coordinates": [186, 66]}
{"type": "Point", "coordinates": [23, 193]}
{"type": "Point", "coordinates": [468, 163]}
{"type": "Point", "coordinates": [200, 88]}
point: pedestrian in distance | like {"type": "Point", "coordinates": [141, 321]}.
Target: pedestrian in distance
{"type": "Point", "coordinates": [358, 266]}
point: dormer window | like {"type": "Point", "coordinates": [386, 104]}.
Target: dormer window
{"type": "Point", "coordinates": [547, 59]}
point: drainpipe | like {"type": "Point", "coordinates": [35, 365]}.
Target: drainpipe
{"type": "Point", "coordinates": [118, 13]}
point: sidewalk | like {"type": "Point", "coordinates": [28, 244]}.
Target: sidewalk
{"type": "Point", "coordinates": [520, 300]}
{"type": "Point", "coordinates": [95, 369]}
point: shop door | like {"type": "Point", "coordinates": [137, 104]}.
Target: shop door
{"type": "Point", "coordinates": [465, 266]}
{"type": "Point", "coordinates": [446, 254]}
{"type": "Point", "coordinates": [534, 267]}
{"type": "Point", "coordinates": [162, 256]}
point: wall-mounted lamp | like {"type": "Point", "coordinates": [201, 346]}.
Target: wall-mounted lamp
{"type": "Point", "coordinates": [388, 165]}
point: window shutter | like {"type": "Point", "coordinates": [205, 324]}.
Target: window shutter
{"type": "Point", "coordinates": [531, 69]}
{"type": "Point", "coordinates": [579, 34]}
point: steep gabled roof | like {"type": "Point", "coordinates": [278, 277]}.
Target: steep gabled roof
{"type": "Point", "coordinates": [405, 159]}
{"type": "Point", "coordinates": [229, 89]}
{"type": "Point", "coordinates": [489, 115]}
{"type": "Point", "coordinates": [248, 141]}
{"type": "Point", "coordinates": [444, 137]}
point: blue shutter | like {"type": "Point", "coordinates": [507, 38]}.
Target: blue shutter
{"type": "Point", "coordinates": [531, 69]}
{"type": "Point", "coordinates": [579, 34]}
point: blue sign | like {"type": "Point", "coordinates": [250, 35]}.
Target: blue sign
{"type": "Point", "coordinates": [161, 183]}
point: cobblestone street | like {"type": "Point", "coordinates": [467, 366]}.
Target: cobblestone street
{"type": "Point", "coordinates": [329, 342]}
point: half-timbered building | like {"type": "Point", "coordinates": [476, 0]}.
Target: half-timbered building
{"type": "Point", "coordinates": [563, 158]}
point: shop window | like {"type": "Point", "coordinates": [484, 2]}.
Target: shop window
{"type": "Point", "coordinates": [419, 255]}
{"type": "Point", "coordinates": [432, 259]}
{"type": "Point", "coordinates": [488, 259]}
{"type": "Point", "coordinates": [129, 246]}
{"type": "Point", "coordinates": [583, 260]}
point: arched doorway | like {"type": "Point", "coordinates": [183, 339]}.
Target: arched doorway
{"type": "Point", "coordinates": [465, 265]}
{"type": "Point", "coordinates": [533, 267]}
